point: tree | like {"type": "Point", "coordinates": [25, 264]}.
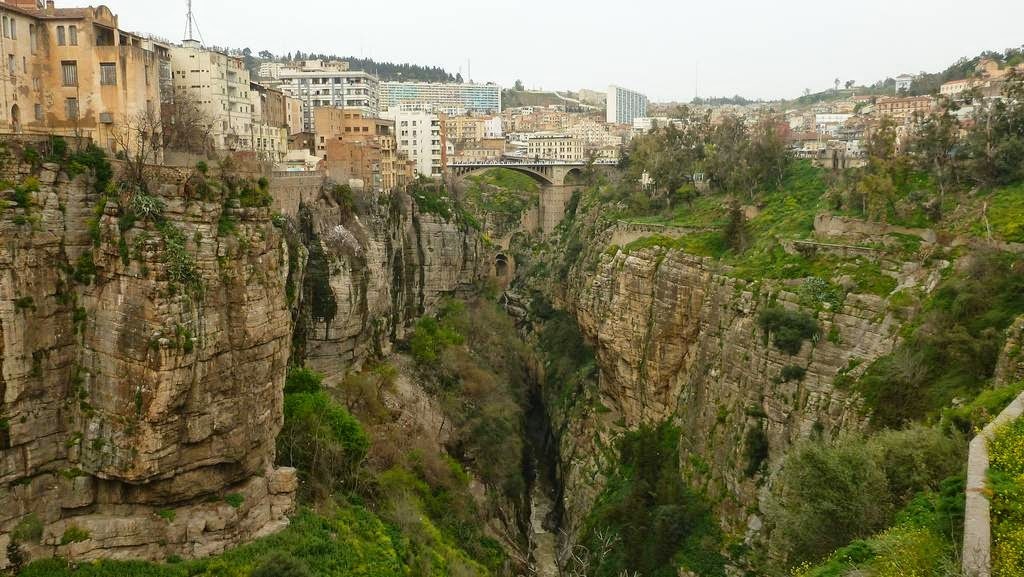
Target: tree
{"type": "Point", "coordinates": [266, 55]}
{"type": "Point", "coordinates": [849, 84]}
{"type": "Point", "coordinates": [736, 234]}
{"type": "Point", "coordinates": [139, 144]}
{"type": "Point", "coordinates": [519, 85]}
{"type": "Point", "coordinates": [935, 146]}
{"type": "Point", "coordinates": [186, 127]}
{"type": "Point", "coordinates": [996, 143]}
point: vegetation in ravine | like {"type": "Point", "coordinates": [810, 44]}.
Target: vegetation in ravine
{"type": "Point", "coordinates": [828, 494]}
{"type": "Point", "coordinates": [647, 520]}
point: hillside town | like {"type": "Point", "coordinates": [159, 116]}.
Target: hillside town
{"type": "Point", "coordinates": [78, 71]}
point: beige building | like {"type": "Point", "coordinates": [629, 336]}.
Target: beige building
{"type": "Point", "coordinates": [904, 108]}
{"type": "Point", "coordinates": [355, 145]}
{"type": "Point", "coordinates": [555, 147]}
{"type": "Point", "coordinates": [74, 72]}
{"type": "Point", "coordinates": [218, 84]}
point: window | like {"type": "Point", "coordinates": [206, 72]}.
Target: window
{"type": "Point", "coordinates": [39, 112]}
{"type": "Point", "coordinates": [69, 68]}
{"type": "Point", "coordinates": [73, 35]}
{"type": "Point", "coordinates": [14, 29]}
{"type": "Point", "coordinates": [71, 108]}
{"type": "Point", "coordinates": [11, 64]}
{"type": "Point", "coordinates": [7, 27]}
{"type": "Point", "coordinates": [108, 74]}
{"type": "Point", "coordinates": [61, 40]}
{"type": "Point", "coordinates": [33, 38]}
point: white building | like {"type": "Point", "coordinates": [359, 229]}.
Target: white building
{"type": "Point", "coordinates": [218, 85]}
{"type": "Point", "coordinates": [270, 70]}
{"type": "Point", "coordinates": [624, 105]}
{"type": "Point", "coordinates": [418, 135]}
{"type": "Point", "coordinates": [903, 82]}
{"type": "Point", "coordinates": [319, 83]}
{"type": "Point", "coordinates": [449, 98]}
{"type": "Point", "coordinates": [493, 128]}
{"type": "Point", "coordinates": [829, 122]}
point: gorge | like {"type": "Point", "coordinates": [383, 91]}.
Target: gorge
{"type": "Point", "coordinates": [601, 394]}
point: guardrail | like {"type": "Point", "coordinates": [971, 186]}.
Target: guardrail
{"type": "Point", "coordinates": [977, 552]}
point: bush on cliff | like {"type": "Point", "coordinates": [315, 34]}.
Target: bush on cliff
{"type": "Point", "coordinates": [952, 350]}
{"type": "Point", "coordinates": [826, 495]}
{"type": "Point", "coordinates": [319, 438]}
{"type": "Point", "coordinates": [787, 329]}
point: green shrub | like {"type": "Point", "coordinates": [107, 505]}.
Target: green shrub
{"type": "Point", "coordinates": [826, 495]}
{"type": "Point", "coordinates": [1006, 481]}
{"type": "Point", "coordinates": [235, 500]}
{"type": "Point", "coordinates": [953, 348]}
{"type": "Point", "coordinates": [320, 438]}
{"type": "Point", "coordinates": [792, 373]}
{"type": "Point", "coordinates": [74, 534]}
{"type": "Point", "coordinates": [282, 565]}
{"type": "Point", "coordinates": [787, 329]}
{"type": "Point", "coordinates": [430, 338]}
{"type": "Point", "coordinates": [85, 269]}
{"type": "Point", "coordinates": [28, 530]}
{"type": "Point", "coordinates": [302, 380]}
{"type": "Point", "coordinates": [656, 523]}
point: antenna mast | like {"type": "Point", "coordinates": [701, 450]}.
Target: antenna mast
{"type": "Point", "coordinates": [190, 22]}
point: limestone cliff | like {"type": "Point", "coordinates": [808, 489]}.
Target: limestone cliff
{"type": "Point", "coordinates": [142, 371]}
{"type": "Point", "coordinates": [677, 337]}
{"type": "Point", "coordinates": [372, 269]}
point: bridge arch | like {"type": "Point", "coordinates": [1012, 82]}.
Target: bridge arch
{"type": "Point", "coordinates": [538, 175]}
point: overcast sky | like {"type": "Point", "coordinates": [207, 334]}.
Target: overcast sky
{"type": "Point", "coordinates": [755, 48]}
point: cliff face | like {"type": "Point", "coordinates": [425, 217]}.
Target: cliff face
{"type": "Point", "coordinates": [677, 338]}
{"type": "Point", "coordinates": [142, 371]}
{"type": "Point", "coordinates": [373, 270]}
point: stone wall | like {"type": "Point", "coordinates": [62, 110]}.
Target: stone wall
{"type": "Point", "coordinates": [126, 393]}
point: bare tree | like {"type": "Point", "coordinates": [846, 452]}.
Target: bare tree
{"type": "Point", "coordinates": [138, 143]}
{"type": "Point", "coordinates": [187, 127]}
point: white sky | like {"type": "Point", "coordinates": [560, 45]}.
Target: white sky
{"type": "Point", "coordinates": [755, 48]}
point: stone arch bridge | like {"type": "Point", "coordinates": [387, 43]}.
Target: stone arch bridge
{"type": "Point", "coordinates": [546, 172]}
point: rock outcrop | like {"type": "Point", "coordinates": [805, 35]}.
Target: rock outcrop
{"type": "Point", "coordinates": [373, 270]}
{"type": "Point", "coordinates": [142, 372]}
{"type": "Point", "coordinates": [676, 337]}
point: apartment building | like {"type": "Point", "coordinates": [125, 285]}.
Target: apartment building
{"type": "Point", "coordinates": [269, 123]}
{"type": "Point", "coordinates": [902, 109]}
{"type": "Point", "coordinates": [74, 72]}
{"type": "Point", "coordinates": [419, 135]}
{"type": "Point", "coordinates": [218, 85]}
{"type": "Point", "coordinates": [356, 146]}
{"type": "Point", "coordinates": [318, 83]}
{"type": "Point", "coordinates": [624, 105]}
{"type": "Point", "coordinates": [555, 147]}
{"type": "Point", "coordinates": [447, 98]}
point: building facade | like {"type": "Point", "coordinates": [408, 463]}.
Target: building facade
{"type": "Point", "coordinates": [420, 137]}
{"type": "Point", "coordinates": [624, 105]}
{"type": "Point", "coordinates": [218, 85]}
{"type": "Point", "coordinates": [563, 147]}
{"type": "Point", "coordinates": [448, 98]}
{"type": "Point", "coordinates": [318, 83]}
{"type": "Point", "coordinates": [355, 146]}
{"type": "Point", "coordinates": [74, 72]}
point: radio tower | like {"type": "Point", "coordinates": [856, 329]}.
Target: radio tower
{"type": "Point", "coordinates": [190, 23]}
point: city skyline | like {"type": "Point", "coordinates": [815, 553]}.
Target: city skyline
{"type": "Point", "coordinates": [676, 52]}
